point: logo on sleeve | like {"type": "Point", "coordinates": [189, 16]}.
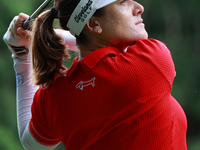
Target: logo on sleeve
{"type": "Point", "coordinates": [19, 80]}
{"type": "Point", "coordinates": [83, 84]}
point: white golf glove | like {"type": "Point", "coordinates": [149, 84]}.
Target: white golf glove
{"type": "Point", "coordinates": [18, 46]}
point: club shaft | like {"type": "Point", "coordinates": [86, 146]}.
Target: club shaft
{"type": "Point", "coordinates": [28, 22]}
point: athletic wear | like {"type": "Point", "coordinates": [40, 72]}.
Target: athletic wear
{"type": "Point", "coordinates": [113, 100]}
{"type": "Point", "coordinates": [24, 90]}
{"type": "Point", "coordinates": [17, 45]}
{"type": "Point", "coordinates": [83, 12]}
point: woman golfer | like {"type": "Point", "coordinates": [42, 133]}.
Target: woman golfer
{"type": "Point", "coordinates": [115, 96]}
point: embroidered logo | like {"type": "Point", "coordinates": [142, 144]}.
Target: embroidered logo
{"type": "Point", "coordinates": [82, 84]}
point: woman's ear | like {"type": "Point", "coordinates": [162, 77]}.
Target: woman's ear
{"type": "Point", "coordinates": [93, 26]}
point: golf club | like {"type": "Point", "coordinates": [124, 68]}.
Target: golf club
{"type": "Point", "coordinates": [27, 24]}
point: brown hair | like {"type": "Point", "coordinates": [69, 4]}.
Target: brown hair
{"type": "Point", "coordinates": [48, 52]}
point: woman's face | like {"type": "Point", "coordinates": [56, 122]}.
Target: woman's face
{"type": "Point", "coordinates": [122, 24]}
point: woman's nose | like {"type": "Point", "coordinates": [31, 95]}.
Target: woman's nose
{"type": "Point", "coordinates": [138, 8]}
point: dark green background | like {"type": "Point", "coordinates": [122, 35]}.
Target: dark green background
{"type": "Point", "coordinates": [176, 23]}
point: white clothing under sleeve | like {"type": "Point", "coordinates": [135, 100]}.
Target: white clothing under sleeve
{"type": "Point", "coordinates": [24, 93]}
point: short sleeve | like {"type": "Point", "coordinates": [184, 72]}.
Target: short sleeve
{"type": "Point", "coordinates": [40, 126]}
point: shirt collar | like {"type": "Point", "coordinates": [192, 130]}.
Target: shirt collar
{"type": "Point", "coordinates": [93, 58]}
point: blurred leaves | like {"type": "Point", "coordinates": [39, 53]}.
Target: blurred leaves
{"type": "Point", "coordinates": [176, 23]}
{"type": "Point", "coordinates": [8, 139]}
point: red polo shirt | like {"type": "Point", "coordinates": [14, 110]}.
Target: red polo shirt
{"type": "Point", "coordinates": [113, 100]}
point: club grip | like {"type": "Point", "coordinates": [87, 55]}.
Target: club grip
{"type": "Point", "coordinates": [27, 23]}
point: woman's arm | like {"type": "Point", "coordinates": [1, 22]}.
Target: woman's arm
{"type": "Point", "coordinates": [68, 39]}
{"type": "Point", "coordinates": [17, 40]}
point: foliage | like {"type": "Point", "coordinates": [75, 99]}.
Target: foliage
{"type": "Point", "coordinates": [176, 23]}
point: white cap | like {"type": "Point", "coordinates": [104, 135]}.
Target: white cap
{"type": "Point", "coordinates": [83, 12]}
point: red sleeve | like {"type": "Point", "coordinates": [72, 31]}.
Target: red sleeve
{"type": "Point", "coordinates": [157, 53]}
{"type": "Point", "coordinates": [39, 125]}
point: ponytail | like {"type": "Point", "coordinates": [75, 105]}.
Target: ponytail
{"type": "Point", "coordinates": [48, 52]}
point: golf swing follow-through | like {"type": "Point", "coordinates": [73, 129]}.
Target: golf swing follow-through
{"type": "Point", "coordinates": [21, 50]}
{"type": "Point", "coordinates": [117, 93]}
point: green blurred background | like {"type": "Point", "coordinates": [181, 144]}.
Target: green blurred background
{"type": "Point", "coordinates": [176, 23]}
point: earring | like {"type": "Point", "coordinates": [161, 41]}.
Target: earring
{"type": "Point", "coordinates": [98, 30]}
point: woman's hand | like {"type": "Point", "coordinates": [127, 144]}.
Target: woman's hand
{"type": "Point", "coordinates": [17, 38]}
{"type": "Point", "coordinates": [17, 30]}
